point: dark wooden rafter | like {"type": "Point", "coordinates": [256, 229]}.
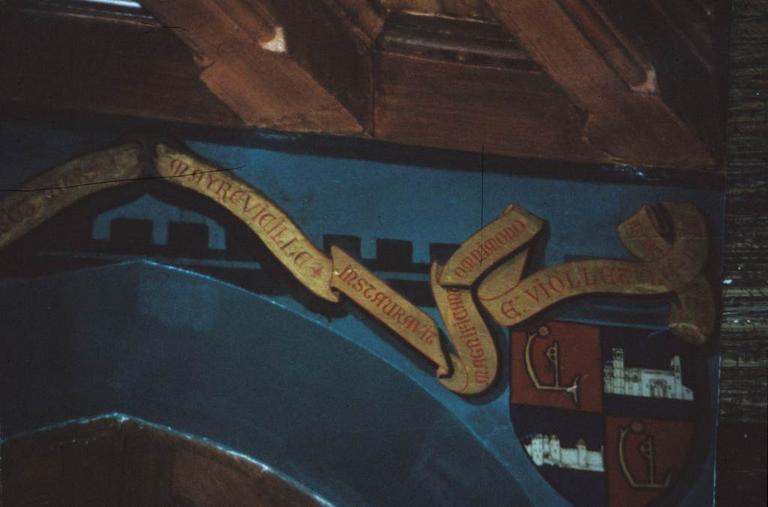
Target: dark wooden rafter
{"type": "Point", "coordinates": [287, 64]}
{"type": "Point", "coordinates": [450, 83]}
{"type": "Point", "coordinates": [607, 76]}
{"type": "Point", "coordinates": [365, 15]}
{"type": "Point", "coordinates": [686, 41]}
{"type": "Point", "coordinates": [133, 67]}
{"type": "Point", "coordinates": [581, 80]}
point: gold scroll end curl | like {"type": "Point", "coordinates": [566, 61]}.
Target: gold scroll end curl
{"type": "Point", "coordinates": [693, 317]}
{"type": "Point", "coordinates": [645, 234]}
{"type": "Point", "coordinates": [284, 239]}
{"type": "Point", "coordinates": [671, 259]}
{"type": "Point", "coordinates": [43, 196]}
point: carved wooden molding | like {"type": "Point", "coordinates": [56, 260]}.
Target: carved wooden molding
{"type": "Point", "coordinates": [582, 80]}
{"type": "Point", "coordinates": [254, 57]}
{"type": "Point", "coordinates": [607, 76]}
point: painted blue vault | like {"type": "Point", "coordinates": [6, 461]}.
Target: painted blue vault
{"type": "Point", "coordinates": [204, 340]}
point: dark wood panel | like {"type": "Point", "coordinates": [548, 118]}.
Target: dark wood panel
{"type": "Point", "coordinates": [687, 43]}
{"type": "Point", "coordinates": [77, 63]}
{"type": "Point", "coordinates": [43, 471]}
{"type": "Point", "coordinates": [741, 465]}
{"type": "Point", "coordinates": [334, 40]}
{"type": "Point", "coordinates": [91, 471]}
{"type": "Point", "coordinates": [479, 84]}
{"type": "Point", "coordinates": [287, 65]}
{"type": "Point", "coordinates": [117, 461]}
{"type": "Point", "coordinates": [457, 40]}
{"type": "Point", "coordinates": [50, 467]}
{"type": "Point", "coordinates": [148, 469]}
{"type": "Point", "coordinates": [455, 8]}
{"type": "Point", "coordinates": [609, 78]}
{"type": "Point", "coordinates": [445, 104]}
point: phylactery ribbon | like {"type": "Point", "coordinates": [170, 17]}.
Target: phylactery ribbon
{"type": "Point", "coordinates": [284, 239]}
{"type": "Point", "coordinates": [475, 361]}
{"type": "Point", "coordinates": [666, 266]}
{"type": "Point", "coordinates": [487, 269]}
{"type": "Point", "coordinates": [489, 264]}
{"type": "Point", "coordinates": [42, 197]}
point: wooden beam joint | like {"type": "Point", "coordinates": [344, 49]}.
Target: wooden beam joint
{"type": "Point", "coordinates": [253, 57]}
{"type": "Point", "coordinates": [606, 75]}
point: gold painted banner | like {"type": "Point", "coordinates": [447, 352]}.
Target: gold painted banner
{"type": "Point", "coordinates": [475, 363]}
{"type": "Point", "coordinates": [643, 234]}
{"type": "Point", "coordinates": [511, 301]}
{"type": "Point", "coordinates": [693, 317]}
{"type": "Point", "coordinates": [44, 196]}
{"type": "Point", "coordinates": [397, 313]}
{"type": "Point", "coordinates": [284, 239]}
{"type": "Point", "coordinates": [513, 229]}
{"type": "Point", "coordinates": [488, 267]}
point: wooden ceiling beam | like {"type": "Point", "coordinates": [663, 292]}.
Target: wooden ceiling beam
{"type": "Point", "coordinates": [686, 40]}
{"type": "Point", "coordinates": [365, 15]}
{"type": "Point", "coordinates": [286, 65]}
{"type": "Point", "coordinates": [608, 77]}
{"type": "Point", "coordinates": [421, 80]}
{"type": "Point", "coordinates": [507, 110]}
{"type": "Point", "coordinates": [102, 65]}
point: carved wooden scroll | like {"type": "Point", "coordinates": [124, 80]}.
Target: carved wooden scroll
{"type": "Point", "coordinates": [42, 197]}
{"type": "Point", "coordinates": [397, 313]}
{"type": "Point", "coordinates": [283, 238]}
{"type": "Point", "coordinates": [476, 362]}
{"type": "Point", "coordinates": [665, 269]}
{"type": "Point", "coordinates": [514, 228]}
{"type": "Point", "coordinates": [486, 270]}
{"type": "Point", "coordinates": [490, 264]}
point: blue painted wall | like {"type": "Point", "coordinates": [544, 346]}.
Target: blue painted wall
{"type": "Point", "coordinates": [331, 400]}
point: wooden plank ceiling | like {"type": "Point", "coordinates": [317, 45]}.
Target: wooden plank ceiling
{"type": "Point", "coordinates": [597, 81]}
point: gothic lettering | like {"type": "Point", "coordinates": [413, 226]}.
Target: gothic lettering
{"type": "Point", "coordinates": [377, 298]}
{"type": "Point", "coordinates": [22, 211]}
{"type": "Point", "coordinates": [508, 233]}
{"type": "Point", "coordinates": [513, 299]}
{"type": "Point", "coordinates": [489, 264]}
{"type": "Point", "coordinates": [276, 230]}
{"type": "Point", "coordinates": [476, 362]}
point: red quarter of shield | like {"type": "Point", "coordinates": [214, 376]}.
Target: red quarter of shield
{"type": "Point", "coordinates": [557, 364]}
{"type": "Point", "coordinates": [643, 457]}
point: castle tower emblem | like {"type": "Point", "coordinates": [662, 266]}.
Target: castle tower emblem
{"type": "Point", "coordinates": [644, 382]}
{"type": "Point", "coordinates": [545, 450]}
